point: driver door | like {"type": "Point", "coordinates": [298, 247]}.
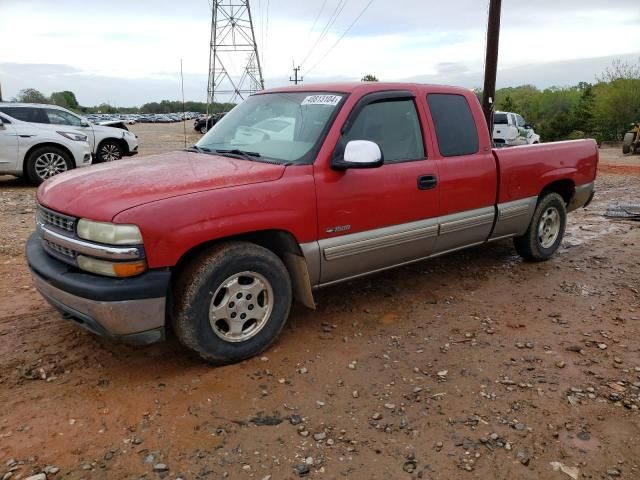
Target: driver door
{"type": "Point", "coordinates": [371, 219]}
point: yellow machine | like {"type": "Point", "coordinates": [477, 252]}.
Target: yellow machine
{"type": "Point", "coordinates": [631, 141]}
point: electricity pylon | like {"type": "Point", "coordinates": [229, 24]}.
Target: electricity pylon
{"type": "Point", "coordinates": [232, 38]}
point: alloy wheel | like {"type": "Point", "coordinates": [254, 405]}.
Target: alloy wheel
{"type": "Point", "coordinates": [241, 306]}
{"type": "Point", "coordinates": [49, 164]}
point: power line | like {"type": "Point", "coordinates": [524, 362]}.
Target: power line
{"type": "Point", "coordinates": [336, 13]}
{"type": "Point", "coordinates": [318, 16]}
{"type": "Point", "coordinates": [366, 7]}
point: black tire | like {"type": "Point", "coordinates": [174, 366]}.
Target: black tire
{"type": "Point", "coordinates": [109, 151]}
{"type": "Point", "coordinates": [627, 141]}
{"type": "Point", "coordinates": [56, 155]}
{"type": "Point", "coordinates": [203, 129]}
{"type": "Point", "coordinates": [201, 286]}
{"type": "Point", "coordinates": [531, 246]}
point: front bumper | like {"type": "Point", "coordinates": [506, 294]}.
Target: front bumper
{"type": "Point", "coordinates": [132, 151]}
{"type": "Point", "coordinates": [132, 310]}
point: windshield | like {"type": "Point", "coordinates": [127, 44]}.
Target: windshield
{"type": "Point", "coordinates": [500, 119]}
{"type": "Point", "coordinates": [282, 127]}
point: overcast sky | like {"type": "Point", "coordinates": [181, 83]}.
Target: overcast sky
{"type": "Point", "coordinates": [128, 52]}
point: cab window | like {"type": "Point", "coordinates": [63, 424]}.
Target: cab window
{"type": "Point", "coordinates": [394, 126]}
{"type": "Point", "coordinates": [456, 130]}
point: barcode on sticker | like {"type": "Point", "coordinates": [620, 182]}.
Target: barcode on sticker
{"type": "Point", "coordinates": [332, 100]}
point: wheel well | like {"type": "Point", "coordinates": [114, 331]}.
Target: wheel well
{"type": "Point", "coordinates": [280, 242]}
{"type": "Point", "coordinates": [565, 188]}
{"type": "Point", "coordinates": [120, 141]}
{"type": "Point", "coordinates": [47, 144]}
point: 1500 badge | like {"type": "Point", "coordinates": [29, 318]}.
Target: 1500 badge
{"type": "Point", "coordinates": [339, 228]}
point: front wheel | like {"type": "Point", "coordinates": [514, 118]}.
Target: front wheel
{"type": "Point", "coordinates": [231, 302]}
{"type": "Point", "coordinates": [545, 232]}
{"type": "Point", "coordinates": [109, 151]}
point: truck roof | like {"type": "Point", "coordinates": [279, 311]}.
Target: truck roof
{"type": "Point", "coordinates": [364, 87]}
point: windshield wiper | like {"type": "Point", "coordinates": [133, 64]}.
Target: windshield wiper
{"type": "Point", "coordinates": [240, 153]}
{"type": "Point", "coordinates": [197, 149]}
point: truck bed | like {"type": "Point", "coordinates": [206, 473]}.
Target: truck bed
{"type": "Point", "coordinates": [524, 171]}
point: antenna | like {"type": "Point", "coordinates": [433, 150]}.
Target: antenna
{"type": "Point", "coordinates": [184, 124]}
{"type": "Point", "coordinates": [232, 37]}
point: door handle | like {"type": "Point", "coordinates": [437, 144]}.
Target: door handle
{"type": "Point", "coordinates": [427, 182]}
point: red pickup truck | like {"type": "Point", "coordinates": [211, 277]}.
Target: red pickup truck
{"type": "Point", "coordinates": [296, 188]}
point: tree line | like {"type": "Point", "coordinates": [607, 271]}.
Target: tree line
{"type": "Point", "coordinates": [602, 110]}
{"type": "Point", "coordinates": [67, 99]}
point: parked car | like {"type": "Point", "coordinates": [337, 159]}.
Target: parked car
{"type": "Point", "coordinates": [107, 143]}
{"type": "Point", "coordinates": [510, 129]}
{"type": "Point", "coordinates": [215, 241]}
{"type": "Point", "coordinates": [204, 124]}
{"type": "Point", "coordinates": [39, 151]}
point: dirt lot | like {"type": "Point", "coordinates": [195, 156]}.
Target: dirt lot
{"type": "Point", "coordinates": [475, 365]}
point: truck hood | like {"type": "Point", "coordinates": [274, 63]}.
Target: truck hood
{"type": "Point", "coordinates": [105, 128]}
{"type": "Point", "coordinates": [102, 191]}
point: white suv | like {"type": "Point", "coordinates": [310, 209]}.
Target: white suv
{"type": "Point", "coordinates": [39, 151]}
{"type": "Point", "coordinates": [107, 143]}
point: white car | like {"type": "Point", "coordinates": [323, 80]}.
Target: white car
{"type": "Point", "coordinates": [39, 151]}
{"type": "Point", "coordinates": [107, 143]}
{"type": "Point", "coordinates": [277, 128]}
{"type": "Point", "coordinates": [510, 129]}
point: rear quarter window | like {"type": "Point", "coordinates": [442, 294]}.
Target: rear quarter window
{"type": "Point", "coordinates": [455, 127]}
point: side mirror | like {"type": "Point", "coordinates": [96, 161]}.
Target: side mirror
{"type": "Point", "coordinates": [84, 123]}
{"type": "Point", "coordinates": [528, 126]}
{"type": "Point", "coordinates": [358, 154]}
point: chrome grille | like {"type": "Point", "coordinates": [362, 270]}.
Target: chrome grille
{"type": "Point", "coordinates": [56, 220]}
{"type": "Point", "coordinates": [67, 252]}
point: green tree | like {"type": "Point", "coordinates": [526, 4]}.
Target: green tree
{"type": "Point", "coordinates": [583, 112]}
{"type": "Point", "coordinates": [508, 105]}
{"type": "Point", "coordinates": [65, 99]}
{"type": "Point", "coordinates": [31, 95]}
{"type": "Point", "coordinates": [369, 78]}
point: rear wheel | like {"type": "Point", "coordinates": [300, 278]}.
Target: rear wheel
{"type": "Point", "coordinates": [45, 162]}
{"type": "Point", "coordinates": [545, 232]}
{"type": "Point", "coordinates": [231, 302]}
{"type": "Point", "coordinates": [109, 151]}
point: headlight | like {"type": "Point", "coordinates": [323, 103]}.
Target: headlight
{"type": "Point", "coordinates": [109, 233]}
{"type": "Point", "coordinates": [111, 269]}
{"type": "Point", "coordinates": [78, 137]}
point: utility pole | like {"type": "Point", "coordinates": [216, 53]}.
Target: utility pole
{"type": "Point", "coordinates": [491, 62]}
{"type": "Point", "coordinates": [295, 78]}
{"type": "Point", "coordinates": [232, 38]}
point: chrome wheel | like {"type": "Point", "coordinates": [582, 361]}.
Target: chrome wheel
{"type": "Point", "coordinates": [49, 164]}
{"type": "Point", "coordinates": [110, 152]}
{"type": "Point", "coordinates": [241, 306]}
{"type": "Point", "coordinates": [549, 227]}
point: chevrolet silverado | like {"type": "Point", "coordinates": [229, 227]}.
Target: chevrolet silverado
{"type": "Point", "coordinates": [294, 189]}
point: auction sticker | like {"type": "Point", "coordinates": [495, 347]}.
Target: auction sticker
{"type": "Point", "coordinates": [332, 100]}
